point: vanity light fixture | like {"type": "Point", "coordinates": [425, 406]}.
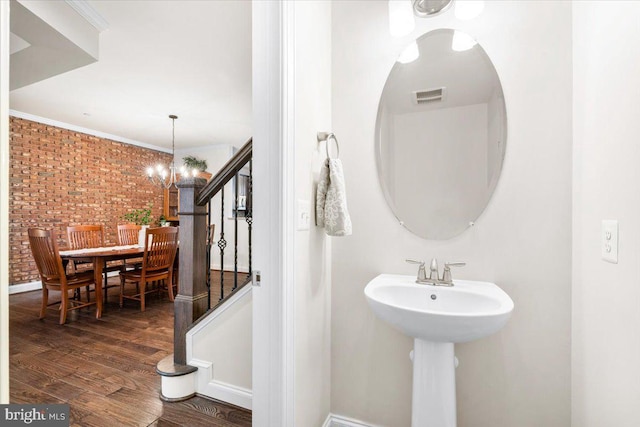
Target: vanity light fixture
{"type": "Point", "coordinates": [401, 20]}
{"type": "Point", "coordinates": [466, 10]}
{"type": "Point", "coordinates": [409, 54]}
{"type": "Point", "coordinates": [462, 42]}
{"type": "Point", "coordinates": [426, 8]}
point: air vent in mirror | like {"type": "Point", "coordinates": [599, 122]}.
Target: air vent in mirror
{"type": "Point", "coordinates": [429, 95]}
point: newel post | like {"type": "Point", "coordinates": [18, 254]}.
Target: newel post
{"type": "Point", "coordinates": [191, 301]}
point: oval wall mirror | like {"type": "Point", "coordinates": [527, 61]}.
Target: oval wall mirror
{"type": "Point", "coordinates": [440, 134]}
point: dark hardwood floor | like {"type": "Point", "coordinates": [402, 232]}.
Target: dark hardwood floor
{"type": "Point", "coordinates": [104, 369]}
{"type": "Point", "coordinates": [228, 283]}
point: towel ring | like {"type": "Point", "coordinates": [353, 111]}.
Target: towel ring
{"type": "Point", "coordinates": [326, 136]}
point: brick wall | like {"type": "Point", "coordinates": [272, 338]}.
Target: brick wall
{"type": "Point", "coordinates": [60, 177]}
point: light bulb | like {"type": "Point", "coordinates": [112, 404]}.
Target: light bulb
{"type": "Point", "coordinates": [462, 41]}
{"type": "Point", "coordinates": [468, 9]}
{"type": "Point", "coordinates": [150, 171]}
{"type": "Point", "coordinates": [409, 54]}
{"type": "Point", "coordinates": [401, 20]}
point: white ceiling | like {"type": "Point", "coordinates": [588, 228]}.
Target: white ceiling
{"type": "Point", "coordinates": [468, 77]}
{"type": "Point", "coordinates": [189, 58]}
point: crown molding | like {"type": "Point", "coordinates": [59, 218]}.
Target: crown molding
{"type": "Point", "coordinates": [92, 16]}
{"type": "Point", "coordinates": [51, 122]}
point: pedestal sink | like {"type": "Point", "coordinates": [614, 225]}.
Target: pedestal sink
{"type": "Point", "coordinates": [437, 317]}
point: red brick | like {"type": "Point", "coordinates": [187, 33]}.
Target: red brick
{"type": "Point", "coordinates": [60, 178]}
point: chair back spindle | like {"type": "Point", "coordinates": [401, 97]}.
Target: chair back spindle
{"type": "Point", "coordinates": [160, 248]}
{"type": "Point", "coordinates": [128, 234]}
{"type": "Point", "coordinates": [45, 253]}
{"type": "Point", "coordinates": [85, 236]}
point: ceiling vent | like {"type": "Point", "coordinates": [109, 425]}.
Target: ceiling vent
{"type": "Point", "coordinates": [428, 96]}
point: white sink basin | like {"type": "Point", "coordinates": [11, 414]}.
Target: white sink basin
{"type": "Point", "coordinates": [437, 317]}
{"type": "Point", "coordinates": [464, 312]}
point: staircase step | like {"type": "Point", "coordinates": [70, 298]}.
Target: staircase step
{"type": "Point", "coordinates": [167, 368]}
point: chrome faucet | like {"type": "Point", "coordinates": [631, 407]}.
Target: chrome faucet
{"type": "Point", "coordinates": [447, 280]}
{"type": "Point", "coordinates": [422, 273]}
{"type": "Point", "coordinates": [434, 278]}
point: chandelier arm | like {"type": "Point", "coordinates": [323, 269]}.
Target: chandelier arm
{"type": "Point", "coordinates": [156, 177]}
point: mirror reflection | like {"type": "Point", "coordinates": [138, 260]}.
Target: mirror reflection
{"type": "Point", "coordinates": [440, 134]}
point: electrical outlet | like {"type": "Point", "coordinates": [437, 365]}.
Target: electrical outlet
{"type": "Point", "coordinates": [610, 241]}
{"type": "Point", "coordinates": [304, 215]}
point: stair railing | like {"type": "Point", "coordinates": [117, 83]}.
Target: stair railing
{"type": "Point", "coordinates": [194, 300]}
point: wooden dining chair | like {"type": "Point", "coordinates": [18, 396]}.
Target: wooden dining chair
{"type": "Point", "coordinates": [160, 249]}
{"type": "Point", "coordinates": [85, 236]}
{"type": "Point", "coordinates": [52, 274]}
{"type": "Point", "coordinates": [128, 235]}
{"type": "Point", "coordinates": [90, 236]}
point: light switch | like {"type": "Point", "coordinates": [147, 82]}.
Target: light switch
{"type": "Point", "coordinates": [304, 215]}
{"type": "Point", "coordinates": [610, 241]}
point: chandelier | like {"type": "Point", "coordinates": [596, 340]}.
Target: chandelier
{"type": "Point", "coordinates": [159, 175]}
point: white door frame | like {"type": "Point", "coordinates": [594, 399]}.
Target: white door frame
{"type": "Point", "coordinates": [274, 217]}
{"type": "Point", "coordinates": [4, 201]}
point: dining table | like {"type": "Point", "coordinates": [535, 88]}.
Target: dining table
{"type": "Point", "coordinates": [99, 257]}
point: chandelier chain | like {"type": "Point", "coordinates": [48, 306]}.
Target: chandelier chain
{"type": "Point", "coordinates": [159, 175]}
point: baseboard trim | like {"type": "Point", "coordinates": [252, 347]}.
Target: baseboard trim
{"type": "Point", "coordinates": [341, 421]}
{"type": "Point", "coordinates": [34, 286]}
{"type": "Point", "coordinates": [207, 386]}
{"type": "Point", "coordinates": [25, 287]}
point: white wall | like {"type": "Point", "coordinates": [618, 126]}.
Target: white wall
{"type": "Point", "coordinates": [227, 343]}
{"type": "Point", "coordinates": [606, 297]}
{"type": "Point", "coordinates": [436, 145]}
{"type": "Point", "coordinates": [312, 248]}
{"type": "Point", "coordinates": [520, 376]}
{"type": "Point", "coordinates": [220, 345]}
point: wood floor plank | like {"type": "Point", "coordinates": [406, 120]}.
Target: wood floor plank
{"type": "Point", "coordinates": [28, 376]}
{"type": "Point", "coordinates": [104, 368]}
{"type": "Point", "coordinates": [97, 386]}
{"type": "Point", "coordinates": [183, 415]}
{"type": "Point", "coordinates": [21, 347]}
{"type": "Point", "coordinates": [25, 393]}
{"type": "Point", "coordinates": [136, 382]}
{"type": "Point", "coordinates": [37, 363]}
{"type": "Point", "coordinates": [62, 389]}
{"type": "Point", "coordinates": [129, 414]}
{"type": "Point", "coordinates": [163, 423]}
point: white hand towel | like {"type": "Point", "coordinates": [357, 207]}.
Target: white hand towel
{"type": "Point", "coordinates": [331, 200]}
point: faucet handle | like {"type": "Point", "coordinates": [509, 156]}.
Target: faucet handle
{"type": "Point", "coordinates": [454, 264]}
{"type": "Point", "coordinates": [422, 273]}
{"type": "Point", "coordinates": [446, 274]}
